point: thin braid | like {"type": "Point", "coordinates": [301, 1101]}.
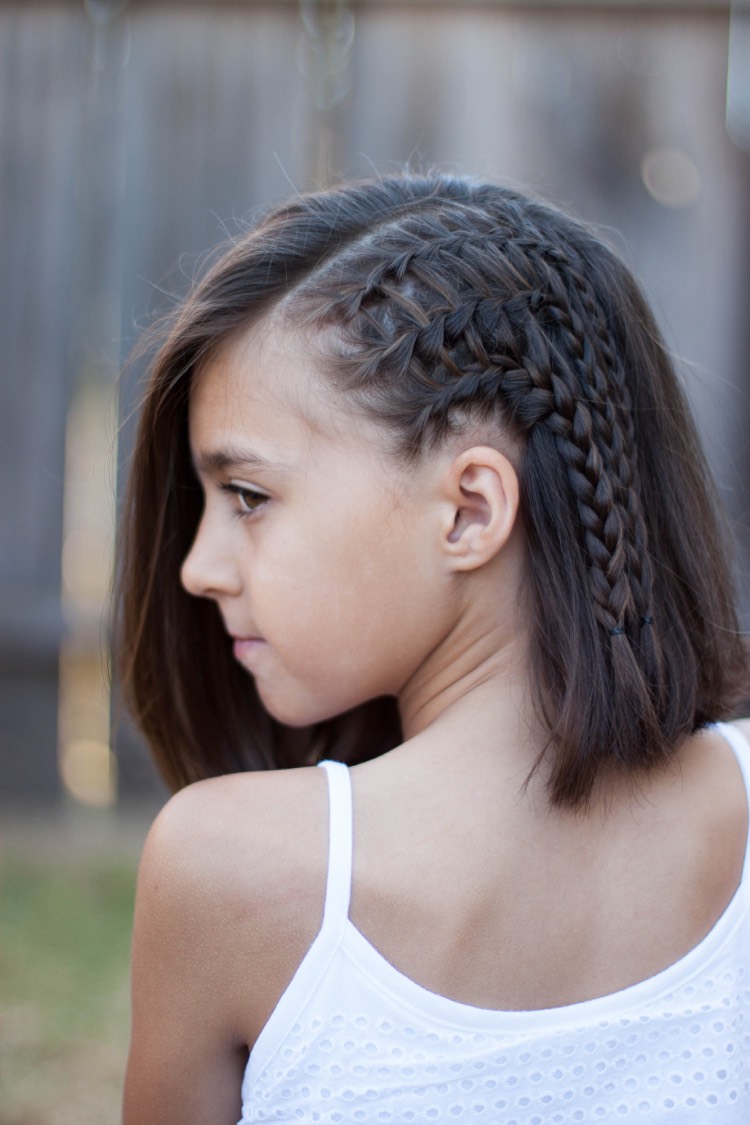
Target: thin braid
{"type": "Point", "coordinates": [602, 377]}
{"type": "Point", "coordinates": [606, 378]}
{"type": "Point", "coordinates": [609, 383]}
{"type": "Point", "coordinates": [550, 243]}
{"type": "Point", "coordinates": [586, 463]}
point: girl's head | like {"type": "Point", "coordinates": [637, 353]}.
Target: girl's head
{"type": "Point", "coordinates": [422, 316]}
{"type": "Point", "coordinates": [332, 564]}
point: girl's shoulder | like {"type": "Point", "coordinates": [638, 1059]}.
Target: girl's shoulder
{"type": "Point", "coordinates": [214, 820]}
{"type": "Point", "coordinates": [707, 814]}
{"type": "Point", "coordinates": [739, 788]}
{"type": "Point", "coordinates": [712, 778]}
{"type": "Point", "coordinates": [233, 874]}
{"type": "Point", "coordinates": [720, 756]}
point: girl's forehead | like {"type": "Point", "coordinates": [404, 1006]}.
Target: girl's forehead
{"type": "Point", "coordinates": [264, 368]}
{"type": "Point", "coordinates": [269, 380]}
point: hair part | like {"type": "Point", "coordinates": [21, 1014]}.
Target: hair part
{"type": "Point", "coordinates": [437, 303]}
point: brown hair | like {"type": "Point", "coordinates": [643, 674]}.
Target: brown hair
{"type": "Point", "coordinates": [445, 300]}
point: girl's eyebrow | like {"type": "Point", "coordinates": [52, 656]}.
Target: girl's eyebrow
{"type": "Point", "coordinates": [216, 460]}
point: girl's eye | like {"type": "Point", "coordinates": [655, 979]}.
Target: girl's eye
{"type": "Point", "coordinates": [248, 499]}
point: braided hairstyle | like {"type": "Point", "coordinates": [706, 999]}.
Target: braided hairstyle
{"type": "Point", "coordinates": [442, 303]}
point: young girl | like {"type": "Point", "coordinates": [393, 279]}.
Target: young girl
{"type": "Point", "coordinates": [416, 498]}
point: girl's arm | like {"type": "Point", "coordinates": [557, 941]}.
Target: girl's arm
{"type": "Point", "coordinates": [186, 1056]}
{"type": "Point", "coordinates": [230, 894]}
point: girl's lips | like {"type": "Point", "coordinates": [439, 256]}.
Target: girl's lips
{"type": "Point", "coordinates": [246, 646]}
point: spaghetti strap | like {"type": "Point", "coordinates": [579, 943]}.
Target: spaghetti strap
{"type": "Point", "coordinates": [340, 842]}
{"type": "Point", "coordinates": [737, 740]}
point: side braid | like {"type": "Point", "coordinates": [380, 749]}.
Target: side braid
{"type": "Point", "coordinates": [599, 378]}
{"type": "Point", "coordinates": [602, 377]}
{"type": "Point", "coordinates": [572, 302]}
{"type": "Point", "coordinates": [602, 373]}
{"type": "Point", "coordinates": [609, 383]}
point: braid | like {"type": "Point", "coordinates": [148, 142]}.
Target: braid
{"type": "Point", "coordinates": [571, 301]}
{"type": "Point", "coordinates": [602, 375]}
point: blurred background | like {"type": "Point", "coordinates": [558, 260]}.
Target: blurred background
{"type": "Point", "coordinates": [135, 136]}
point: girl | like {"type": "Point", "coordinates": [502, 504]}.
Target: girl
{"type": "Point", "coordinates": [416, 491]}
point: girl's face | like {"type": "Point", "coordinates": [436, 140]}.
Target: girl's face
{"type": "Point", "coordinates": [320, 553]}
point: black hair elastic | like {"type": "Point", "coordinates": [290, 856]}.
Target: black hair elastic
{"type": "Point", "coordinates": [647, 621]}
{"type": "Point", "coordinates": [617, 631]}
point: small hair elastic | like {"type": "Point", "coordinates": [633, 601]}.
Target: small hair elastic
{"type": "Point", "coordinates": [617, 631]}
{"type": "Point", "coordinates": [647, 621]}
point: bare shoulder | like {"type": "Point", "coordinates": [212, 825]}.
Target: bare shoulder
{"type": "Point", "coordinates": [718, 800]}
{"type": "Point", "coordinates": [739, 800]}
{"type": "Point", "coordinates": [230, 896]}
{"type": "Point", "coordinates": [249, 825]}
{"type": "Point", "coordinates": [710, 765]}
{"type": "Point", "coordinates": [233, 871]}
{"type": "Point", "coordinates": [714, 755]}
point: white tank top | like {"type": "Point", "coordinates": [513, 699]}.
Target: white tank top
{"type": "Point", "coordinates": [354, 1040]}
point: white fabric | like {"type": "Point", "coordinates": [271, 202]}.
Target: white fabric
{"type": "Point", "coordinates": [354, 1040]}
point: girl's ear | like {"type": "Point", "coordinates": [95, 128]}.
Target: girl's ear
{"type": "Point", "coordinates": [480, 487]}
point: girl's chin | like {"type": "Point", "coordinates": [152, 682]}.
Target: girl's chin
{"type": "Point", "coordinates": [293, 700]}
{"type": "Point", "coordinates": [293, 712]}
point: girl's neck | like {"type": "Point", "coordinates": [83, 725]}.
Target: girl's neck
{"type": "Point", "coordinates": [478, 700]}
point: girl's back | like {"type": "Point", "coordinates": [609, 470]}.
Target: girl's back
{"type": "Point", "coordinates": [529, 909]}
{"type": "Point", "coordinates": [471, 916]}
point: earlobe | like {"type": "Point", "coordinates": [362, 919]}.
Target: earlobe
{"type": "Point", "coordinates": [483, 489]}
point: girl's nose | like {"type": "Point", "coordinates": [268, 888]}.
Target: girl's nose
{"type": "Point", "coordinates": [208, 570]}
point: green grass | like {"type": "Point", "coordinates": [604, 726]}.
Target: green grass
{"type": "Point", "coordinates": [64, 948]}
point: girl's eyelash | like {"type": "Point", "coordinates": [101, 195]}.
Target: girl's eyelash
{"type": "Point", "coordinates": [250, 499]}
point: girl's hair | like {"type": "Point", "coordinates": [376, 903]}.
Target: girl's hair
{"type": "Point", "coordinates": [439, 302]}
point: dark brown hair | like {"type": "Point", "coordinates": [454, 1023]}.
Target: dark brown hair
{"type": "Point", "coordinates": [442, 301]}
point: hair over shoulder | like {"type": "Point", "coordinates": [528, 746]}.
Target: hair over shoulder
{"type": "Point", "coordinates": [443, 300]}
